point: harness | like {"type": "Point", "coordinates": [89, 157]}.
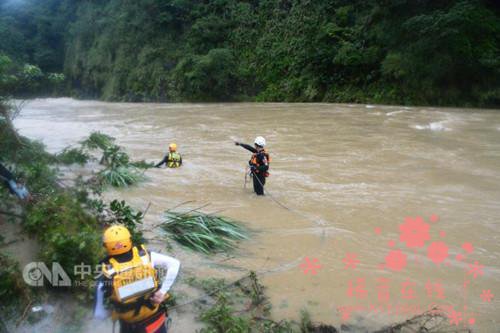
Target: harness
{"type": "Point", "coordinates": [149, 325]}
{"type": "Point", "coordinates": [174, 160]}
{"type": "Point", "coordinates": [133, 283]}
{"type": "Point", "coordinates": [264, 157]}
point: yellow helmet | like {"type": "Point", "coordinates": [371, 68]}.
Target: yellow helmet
{"type": "Point", "coordinates": [117, 240]}
{"type": "Point", "coordinates": [172, 147]}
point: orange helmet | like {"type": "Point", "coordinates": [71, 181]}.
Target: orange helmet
{"type": "Point", "coordinates": [117, 240]}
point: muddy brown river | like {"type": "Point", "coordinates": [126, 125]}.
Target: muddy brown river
{"type": "Point", "coordinates": [353, 179]}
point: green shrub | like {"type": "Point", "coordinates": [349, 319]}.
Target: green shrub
{"type": "Point", "coordinates": [66, 232]}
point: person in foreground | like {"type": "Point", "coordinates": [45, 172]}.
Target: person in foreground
{"type": "Point", "coordinates": [173, 159]}
{"type": "Point", "coordinates": [130, 279]}
{"type": "Point", "coordinates": [259, 163]}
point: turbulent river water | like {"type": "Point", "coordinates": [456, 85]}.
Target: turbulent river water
{"type": "Point", "coordinates": [350, 176]}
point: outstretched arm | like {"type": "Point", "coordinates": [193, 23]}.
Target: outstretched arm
{"type": "Point", "coordinates": [164, 160]}
{"type": "Point", "coordinates": [247, 147]}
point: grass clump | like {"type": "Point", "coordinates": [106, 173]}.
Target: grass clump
{"type": "Point", "coordinates": [202, 232]}
{"type": "Point", "coordinates": [121, 176]}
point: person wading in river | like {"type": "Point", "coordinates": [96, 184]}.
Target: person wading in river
{"type": "Point", "coordinates": [259, 163]}
{"type": "Point", "coordinates": [173, 159]}
{"type": "Point", "coordinates": [130, 279]}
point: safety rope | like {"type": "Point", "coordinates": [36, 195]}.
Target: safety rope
{"type": "Point", "coordinates": [270, 195]}
{"type": "Point", "coordinates": [247, 174]}
{"type": "Point", "coordinates": [231, 284]}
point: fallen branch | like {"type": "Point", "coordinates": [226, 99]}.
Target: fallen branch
{"type": "Point", "coordinates": [24, 313]}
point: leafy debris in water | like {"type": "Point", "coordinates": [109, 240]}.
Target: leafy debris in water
{"type": "Point", "coordinates": [206, 233]}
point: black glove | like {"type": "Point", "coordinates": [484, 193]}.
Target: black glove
{"type": "Point", "coordinates": [253, 168]}
{"type": "Point", "coordinates": [236, 143]}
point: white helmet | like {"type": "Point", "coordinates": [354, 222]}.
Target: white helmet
{"type": "Point", "coordinates": [260, 141]}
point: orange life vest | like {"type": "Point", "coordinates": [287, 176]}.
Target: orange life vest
{"type": "Point", "coordinates": [255, 161]}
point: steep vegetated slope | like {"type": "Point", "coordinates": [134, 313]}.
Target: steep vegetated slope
{"type": "Point", "coordinates": [387, 51]}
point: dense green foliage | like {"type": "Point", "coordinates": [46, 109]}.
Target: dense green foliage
{"type": "Point", "coordinates": [26, 80]}
{"type": "Point", "coordinates": [398, 51]}
{"type": "Point", "coordinates": [69, 235]}
{"type": "Point", "coordinates": [67, 222]}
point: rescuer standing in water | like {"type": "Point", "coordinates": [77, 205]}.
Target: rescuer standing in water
{"type": "Point", "coordinates": [259, 163]}
{"type": "Point", "coordinates": [173, 159]}
{"type": "Point", "coordinates": [130, 280]}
